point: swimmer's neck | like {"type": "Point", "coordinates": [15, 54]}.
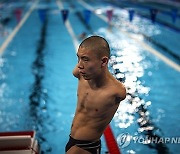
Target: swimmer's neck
{"type": "Point", "coordinates": [99, 81]}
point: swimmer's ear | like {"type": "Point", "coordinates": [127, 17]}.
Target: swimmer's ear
{"type": "Point", "coordinates": [104, 61]}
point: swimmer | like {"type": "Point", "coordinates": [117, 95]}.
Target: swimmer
{"type": "Point", "coordinates": [99, 95]}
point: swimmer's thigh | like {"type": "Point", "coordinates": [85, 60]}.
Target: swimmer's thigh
{"type": "Point", "coordinates": [77, 150]}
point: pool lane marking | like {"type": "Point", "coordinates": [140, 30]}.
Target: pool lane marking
{"type": "Point", "coordinates": [145, 46]}
{"type": "Point", "coordinates": [16, 29]}
{"type": "Point", "coordinates": [69, 27]}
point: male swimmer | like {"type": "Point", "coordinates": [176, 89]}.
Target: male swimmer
{"type": "Point", "coordinates": [99, 95]}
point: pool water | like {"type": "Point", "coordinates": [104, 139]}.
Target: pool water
{"type": "Point", "coordinates": [38, 90]}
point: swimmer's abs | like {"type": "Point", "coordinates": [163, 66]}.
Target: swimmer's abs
{"type": "Point", "coordinates": [85, 133]}
{"type": "Point", "coordinates": [85, 127]}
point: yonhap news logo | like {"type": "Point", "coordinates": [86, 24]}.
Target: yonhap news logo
{"type": "Point", "coordinates": [125, 139]}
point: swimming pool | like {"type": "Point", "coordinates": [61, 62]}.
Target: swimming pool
{"type": "Point", "coordinates": [38, 91]}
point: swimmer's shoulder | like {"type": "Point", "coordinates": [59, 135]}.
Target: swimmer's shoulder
{"type": "Point", "coordinates": [76, 72]}
{"type": "Point", "coordinates": [119, 90]}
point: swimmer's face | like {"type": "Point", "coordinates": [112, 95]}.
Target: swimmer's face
{"type": "Point", "coordinates": [90, 66]}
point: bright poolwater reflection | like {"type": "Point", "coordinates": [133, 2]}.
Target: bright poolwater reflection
{"type": "Point", "coordinates": [128, 63]}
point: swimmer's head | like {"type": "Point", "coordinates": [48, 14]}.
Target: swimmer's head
{"type": "Point", "coordinates": [97, 45]}
{"type": "Point", "coordinates": [93, 55]}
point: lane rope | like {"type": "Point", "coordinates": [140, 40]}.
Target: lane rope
{"type": "Point", "coordinates": [110, 141]}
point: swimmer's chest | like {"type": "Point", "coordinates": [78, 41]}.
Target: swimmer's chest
{"type": "Point", "coordinates": [93, 99]}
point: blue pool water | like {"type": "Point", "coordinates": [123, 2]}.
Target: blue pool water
{"type": "Point", "coordinates": [38, 91]}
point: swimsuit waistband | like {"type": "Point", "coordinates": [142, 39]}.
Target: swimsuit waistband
{"type": "Point", "coordinates": [84, 142]}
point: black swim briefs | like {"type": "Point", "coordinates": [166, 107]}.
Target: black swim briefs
{"type": "Point", "coordinates": [93, 147]}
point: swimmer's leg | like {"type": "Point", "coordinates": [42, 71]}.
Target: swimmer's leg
{"type": "Point", "coordinates": [77, 150]}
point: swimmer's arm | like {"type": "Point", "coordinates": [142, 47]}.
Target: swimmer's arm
{"type": "Point", "coordinates": [121, 95]}
{"type": "Point", "coordinates": [76, 72]}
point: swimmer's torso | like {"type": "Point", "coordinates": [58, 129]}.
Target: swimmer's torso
{"type": "Point", "coordinates": [95, 109]}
